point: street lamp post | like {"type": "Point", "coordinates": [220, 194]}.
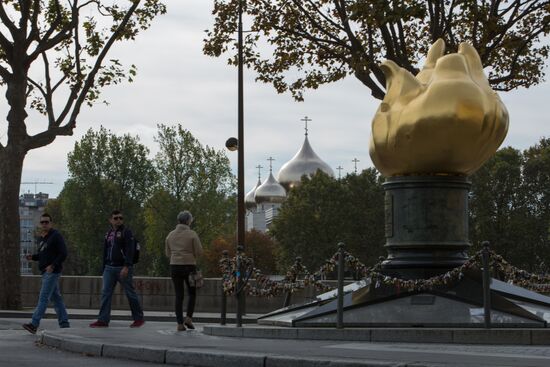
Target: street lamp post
{"type": "Point", "coordinates": [240, 164]}
{"type": "Point", "coordinates": [240, 168]}
{"type": "Point", "coordinates": [238, 145]}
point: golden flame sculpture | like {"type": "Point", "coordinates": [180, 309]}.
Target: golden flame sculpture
{"type": "Point", "coordinates": [446, 120]}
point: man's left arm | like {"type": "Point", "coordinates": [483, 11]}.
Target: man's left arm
{"type": "Point", "coordinates": [61, 248]}
{"type": "Point", "coordinates": [128, 248]}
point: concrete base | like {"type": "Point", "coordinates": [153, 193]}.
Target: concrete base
{"type": "Point", "coordinates": [397, 335]}
{"type": "Point", "coordinates": [456, 305]}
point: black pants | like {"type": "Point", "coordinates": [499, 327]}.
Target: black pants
{"type": "Point", "coordinates": [180, 274]}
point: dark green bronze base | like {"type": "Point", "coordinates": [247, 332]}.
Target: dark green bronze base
{"type": "Point", "coordinates": [426, 225]}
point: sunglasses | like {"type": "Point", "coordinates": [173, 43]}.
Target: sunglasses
{"type": "Point", "coordinates": [44, 221]}
{"type": "Point", "coordinates": [118, 218]}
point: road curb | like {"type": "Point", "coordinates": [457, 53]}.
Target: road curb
{"type": "Point", "coordinates": [201, 358]}
{"type": "Point", "coordinates": [515, 336]}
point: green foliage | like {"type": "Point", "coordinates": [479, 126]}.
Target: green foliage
{"type": "Point", "coordinates": [310, 43]}
{"type": "Point", "coordinates": [106, 172]}
{"type": "Point", "coordinates": [160, 212]}
{"type": "Point", "coordinates": [191, 177]}
{"type": "Point", "coordinates": [510, 205]}
{"type": "Point", "coordinates": [114, 172]}
{"type": "Point", "coordinates": [74, 264]}
{"type": "Point", "coordinates": [323, 211]}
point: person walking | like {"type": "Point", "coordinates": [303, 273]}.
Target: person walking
{"type": "Point", "coordinates": [183, 248]}
{"type": "Point", "coordinates": [52, 251]}
{"type": "Point", "coordinates": [118, 253]}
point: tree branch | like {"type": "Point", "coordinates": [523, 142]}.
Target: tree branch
{"type": "Point", "coordinates": [90, 79]}
{"type": "Point", "coordinates": [46, 42]}
{"type": "Point", "coordinates": [37, 86]}
{"type": "Point", "coordinates": [4, 73]}
{"type": "Point", "coordinates": [34, 34]}
{"type": "Point", "coordinates": [514, 64]}
{"type": "Point", "coordinates": [25, 10]}
{"type": "Point", "coordinates": [366, 79]}
{"type": "Point", "coordinates": [7, 21]}
{"type": "Point", "coordinates": [49, 135]}
{"type": "Point", "coordinates": [316, 24]}
{"type": "Point", "coordinates": [49, 93]}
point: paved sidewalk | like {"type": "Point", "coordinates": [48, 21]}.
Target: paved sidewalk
{"type": "Point", "coordinates": [158, 342]}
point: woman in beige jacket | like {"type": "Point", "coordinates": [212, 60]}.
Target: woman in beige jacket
{"type": "Point", "coordinates": [183, 247]}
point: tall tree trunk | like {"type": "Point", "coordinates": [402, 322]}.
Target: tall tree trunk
{"type": "Point", "coordinates": [11, 165]}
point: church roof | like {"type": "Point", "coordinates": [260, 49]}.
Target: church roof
{"type": "Point", "coordinates": [305, 162]}
{"type": "Point", "coordinates": [270, 191]}
{"type": "Point", "coordinates": [249, 201]}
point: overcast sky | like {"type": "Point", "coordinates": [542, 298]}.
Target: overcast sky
{"type": "Point", "coordinates": [176, 83]}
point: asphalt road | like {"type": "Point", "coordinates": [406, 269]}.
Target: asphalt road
{"type": "Point", "coordinates": [18, 348]}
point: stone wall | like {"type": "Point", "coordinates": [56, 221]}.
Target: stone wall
{"type": "Point", "coordinates": [156, 294]}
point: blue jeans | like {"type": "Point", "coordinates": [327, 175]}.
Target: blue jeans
{"type": "Point", "coordinates": [50, 291]}
{"type": "Point", "coordinates": [111, 275]}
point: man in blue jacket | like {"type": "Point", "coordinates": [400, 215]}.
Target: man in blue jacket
{"type": "Point", "coordinates": [50, 256]}
{"type": "Point", "coordinates": [118, 254]}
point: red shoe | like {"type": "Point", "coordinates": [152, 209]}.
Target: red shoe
{"type": "Point", "coordinates": [30, 328]}
{"type": "Point", "coordinates": [137, 323]}
{"type": "Point", "coordinates": [99, 323]}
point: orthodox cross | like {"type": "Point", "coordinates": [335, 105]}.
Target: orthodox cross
{"type": "Point", "coordinates": [259, 167]}
{"type": "Point", "coordinates": [355, 160]}
{"type": "Point", "coordinates": [339, 168]}
{"type": "Point", "coordinates": [306, 120]}
{"type": "Point", "coordinates": [270, 159]}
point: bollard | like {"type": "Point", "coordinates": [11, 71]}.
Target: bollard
{"type": "Point", "coordinates": [340, 310]}
{"type": "Point", "coordinates": [223, 316]}
{"type": "Point", "coordinates": [486, 285]}
{"type": "Point", "coordinates": [297, 265]}
{"type": "Point", "coordinates": [239, 289]}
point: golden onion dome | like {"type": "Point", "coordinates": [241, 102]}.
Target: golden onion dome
{"type": "Point", "coordinates": [305, 162]}
{"type": "Point", "coordinates": [249, 201]}
{"type": "Point", "coordinates": [270, 191]}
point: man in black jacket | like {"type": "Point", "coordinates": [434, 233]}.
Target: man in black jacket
{"type": "Point", "coordinates": [118, 253]}
{"type": "Point", "coordinates": [50, 256]}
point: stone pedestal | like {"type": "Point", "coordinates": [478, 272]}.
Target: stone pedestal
{"type": "Point", "coordinates": [426, 225]}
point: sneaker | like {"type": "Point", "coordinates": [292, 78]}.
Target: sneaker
{"type": "Point", "coordinates": [181, 327]}
{"type": "Point", "coordinates": [30, 328]}
{"type": "Point", "coordinates": [137, 323]}
{"type": "Point", "coordinates": [189, 323]}
{"type": "Point", "coordinates": [99, 323]}
{"type": "Point", "coordinates": [65, 325]}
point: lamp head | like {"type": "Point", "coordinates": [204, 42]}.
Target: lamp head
{"type": "Point", "coordinates": [232, 144]}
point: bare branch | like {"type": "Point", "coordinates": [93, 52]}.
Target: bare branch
{"type": "Point", "coordinates": [7, 21]}
{"type": "Point", "coordinates": [37, 86]}
{"type": "Point", "coordinates": [4, 73]}
{"type": "Point", "coordinates": [316, 24]}
{"type": "Point", "coordinates": [34, 34]}
{"type": "Point", "coordinates": [49, 94]}
{"type": "Point", "coordinates": [76, 18]}
{"type": "Point", "coordinates": [91, 76]}
{"type": "Point", "coordinates": [25, 10]}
